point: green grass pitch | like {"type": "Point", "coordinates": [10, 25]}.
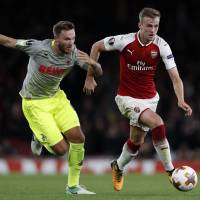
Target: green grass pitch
{"type": "Point", "coordinates": [136, 187]}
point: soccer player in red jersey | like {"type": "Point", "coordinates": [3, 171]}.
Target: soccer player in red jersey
{"type": "Point", "coordinates": [137, 97]}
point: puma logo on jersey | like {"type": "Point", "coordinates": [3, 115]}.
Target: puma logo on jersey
{"type": "Point", "coordinates": [129, 51]}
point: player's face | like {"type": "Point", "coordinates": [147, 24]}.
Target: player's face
{"type": "Point", "coordinates": [148, 28]}
{"type": "Point", "coordinates": [65, 41]}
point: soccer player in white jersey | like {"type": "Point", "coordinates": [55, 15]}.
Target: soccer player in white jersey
{"type": "Point", "coordinates": [137, 97]}
{"type": "Point", "coordinates": [49, 113]}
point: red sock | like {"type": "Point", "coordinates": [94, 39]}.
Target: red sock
{"type": "Point", "coordinates": [133, 147]}
{"type": "Point", "coordinates": [158, 133]}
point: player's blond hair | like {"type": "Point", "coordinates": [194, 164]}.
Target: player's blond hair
{"type": "Point", "coordinates": [62, 25]}
{"type": "Point", "coordinates": [149, 12]}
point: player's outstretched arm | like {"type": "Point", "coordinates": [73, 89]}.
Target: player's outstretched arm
{"type": "Point", "coordinates": [179, 90]}
{"type": "Point", "coordinates": [90, 82]}
{"type": "Point", "coordinates": [95, 66]}
{"type": "Point", "coordinates": [96, 50]}
{"type": "Point", "coordinates": [7, 41]}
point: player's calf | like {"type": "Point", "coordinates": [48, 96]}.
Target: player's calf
{"type": "Point", "coordinates": [162, 147]}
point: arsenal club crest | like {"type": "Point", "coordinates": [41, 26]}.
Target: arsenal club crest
{"type": "Point", "coordinates": [154, 54]}
{"type": "Point", "coordinates": [136, 109]}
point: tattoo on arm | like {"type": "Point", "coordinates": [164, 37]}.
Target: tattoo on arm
{"type": "Point", "coordinates": [96, 69]}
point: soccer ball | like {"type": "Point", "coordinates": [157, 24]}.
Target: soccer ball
{"type": "Point", "coordinates": [184, 178]}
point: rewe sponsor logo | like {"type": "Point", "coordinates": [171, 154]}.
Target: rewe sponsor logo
{"type": "Point", "coordinates": [51, 70]}
{"type": "Point", "coordinates": [140, 66]}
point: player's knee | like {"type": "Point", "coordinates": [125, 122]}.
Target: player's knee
{"type": "Point", "coordinates": [137, 136]}
{"type": "Point", "coordinates": [75, 136]}
{"type": "Point", "coordinates": [81, 138]}
{"type": "Point", "coordinates": [61, 151]}
{"type": "Point", "coordinates": [157, 121]}
{"type": "Point", "coordinates": [139, 141]}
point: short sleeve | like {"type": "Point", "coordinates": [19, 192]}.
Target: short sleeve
{"type": "Point", "coordinates": [30, 46]}
{"type": "Point", "coordinates": [117, 42]}
{"type": "Point", "coordinates": [166, 55]}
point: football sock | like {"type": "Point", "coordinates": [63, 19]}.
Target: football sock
{"type": "Point", "coordinates": [163, 151]}
{"type": "Point", "coordinates": [75, 160]}
{"type": "Point", "coordinates": [161, 145]}
{"type": "Point", "coordinates": [129, 151]}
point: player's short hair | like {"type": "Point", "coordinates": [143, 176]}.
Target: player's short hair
{"type": "Point", "coordinates": [62, 25]}
{"type": "Point", "coordinates": [149, 12]}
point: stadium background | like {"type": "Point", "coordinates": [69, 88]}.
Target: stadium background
{"type": "Point", "coordinates": [105, 129]}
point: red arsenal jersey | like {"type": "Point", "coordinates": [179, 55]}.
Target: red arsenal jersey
{"type": "Point", "coordinates": [138, 63]}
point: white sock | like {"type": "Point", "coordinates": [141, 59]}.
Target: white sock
{"type": "Point", "coordinates": [125, 157]}
{"type": "Point", "coordinates": [163, 151]}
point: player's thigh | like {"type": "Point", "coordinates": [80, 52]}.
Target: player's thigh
{"type": "Point", "coordinates": [66, 117]}
{"type": "Point", "coordinates": [42, 124]}
{"type": "Point", "coordinates": [131, 108]}
{"type": "Point", "coordinates": [128, 107]}
{"type": "Point", "coordinates": [151, 119]}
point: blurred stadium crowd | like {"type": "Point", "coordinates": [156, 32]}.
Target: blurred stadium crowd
{"type": "Point", "coordinates": [105, 129]}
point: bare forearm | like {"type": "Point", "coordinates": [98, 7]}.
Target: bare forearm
{"type": "Point", "coordinates": [178, 89]}
{"type": "Point", "coordinates": [95, 69]}
{"type": "Point", "coordinates": [7, 41]}
{"type": "Point", "coordinates": [94, 54]}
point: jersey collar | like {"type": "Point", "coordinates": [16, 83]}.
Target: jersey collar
{"type": "Point", "coordinates": [143, 45]}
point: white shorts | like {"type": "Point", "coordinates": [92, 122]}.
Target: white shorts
{"type": "Point", "coordinates": [132, 108]}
